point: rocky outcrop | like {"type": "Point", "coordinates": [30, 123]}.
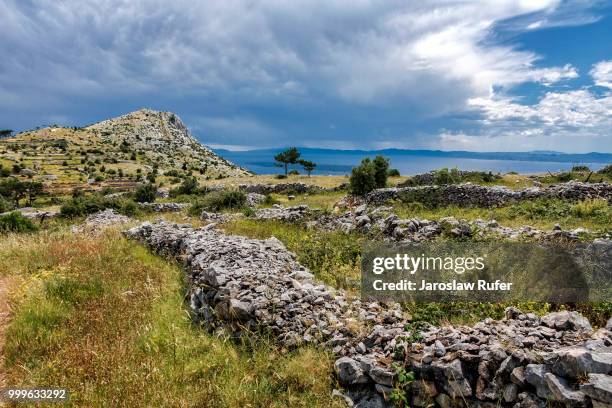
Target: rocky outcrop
{"type": "Point", "coordinates": [165, 139]}
{"type": "Point", "coordinates": [244, 286]}
{"type": "Point", "coordinates": [466, 195]}
{"type": "Point", "coordinates": [164, 207]}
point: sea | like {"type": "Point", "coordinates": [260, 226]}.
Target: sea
{"type": "Point", "coordinates": [337, 162]}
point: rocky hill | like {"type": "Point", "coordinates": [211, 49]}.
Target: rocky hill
{"type": "Point", "coordinates": [115, 150]}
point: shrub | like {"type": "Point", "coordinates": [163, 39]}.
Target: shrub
{"type": "Point", "coordinates": [581, 168]}
{"type": "Point", "coordinates": [269, 200]}
{"type": "Point", "coordinates": [82, 205]}
{"type": "Point", "coordinates": [606, 170]}
{"type": "Point", "coordinates": [221, 200]}
{"type": "Point", "coordinates": [294, 173]}
{"type": "Point", "coordinates": [280, 176]}
{"type": "Point", "coordinates": [393, 173]}
{"type": "Point", "coordinates": [123, 206]}
{"type": "Point", "coordinates": [381, 169]}
{"type": "Point", "coordinates": [145, 193]}
{"type": "Point", "coordinates": [188, 186]}
{"type": "Point", "coordinates": [363, 178]}
{"type": "Point", "coordinates": [590, 208]}
{"type": "Point", "coordinates": [16, 222]}
{"type": "Point", "coordinates": [5, 205]}
{"type": "Point", "coordinates": [248, 212]}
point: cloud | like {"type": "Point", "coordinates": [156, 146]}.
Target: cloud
{"type": "Point", "coordinates": [221, 63]}
{"type": "Point", "coordinates": [602, 74]}
{"type": "Point", "coordinates": [576, 118]}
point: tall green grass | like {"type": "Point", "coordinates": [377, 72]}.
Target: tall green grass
{"type": "Point", "coordinates": [105, 318]}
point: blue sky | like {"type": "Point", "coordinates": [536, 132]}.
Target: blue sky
{"type": "Point", "coordinates": [453, 75]}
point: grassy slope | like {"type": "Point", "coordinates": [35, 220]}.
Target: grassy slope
{"type": "Point", "coordinates": [105, 318]}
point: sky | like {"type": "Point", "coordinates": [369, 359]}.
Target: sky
{"type": "Point", "coordinates": [451, 75]}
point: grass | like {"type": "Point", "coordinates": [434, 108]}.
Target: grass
{"type": "Point", "coordinates": [324, 201]}
{"type": "Point", "coordinates": [106, 319]}
{"type": "Point", "coordinates": [593, 214]}
{"type": "Point", "coordinates": [333, 257]}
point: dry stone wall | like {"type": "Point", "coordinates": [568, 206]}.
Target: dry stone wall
{"type": "Point", "coordinates": [245, 286]}
{"type": "Point", "coordinates": [468, 194]}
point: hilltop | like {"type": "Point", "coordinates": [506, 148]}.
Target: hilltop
{"type": "Point", "coordinates": [114, 151]}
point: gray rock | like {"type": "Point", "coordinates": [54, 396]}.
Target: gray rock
{"type": "Point", "coordinates": [452, 379]}
{"type": "Point", "coordinates": [609, 324]}
{"type": "Point", "coordinates": [535, 375]}
{"type": "Point", "coordinates": [574, 362]}
{"type": "Point", "coordinates": [349, 372]}
{"type": "Point", "coordinates": [599, 388]}
{"type": "Point", "coordinates": [518, 376]}
{"type": "Point", "coordinates": [562, 392]}
{"type": "Point", "coordinates": [510, 392]}
{"type": "Point", "coordinates": [444, 401]}
{"type": "Point", "coordinates": [382, 376]}
{"type": "Point", "coordinates": [567, 320]}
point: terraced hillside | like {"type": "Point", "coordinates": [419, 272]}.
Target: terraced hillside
{"type": "Point", "coordinates": [114, 152]}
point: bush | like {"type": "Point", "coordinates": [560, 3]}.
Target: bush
{"type": "Point", "coordinates": [145, 193]}
{"type": "Point", "coordinates": [590, 208]}
{"type": "Point", "coordinates": [269, 200]}
{"type": "Point", "coordinates": [381, 171]}
{"type": "Point", "coordinates": [393, 173]}
{"type": "Point", "coordinates": [188, 186]}
{"type": "Point", "coordinates": [294, 173]}
{"type": "Point", "coordinates": [606, 170]}
{"type": "Point", "coordinates": [123, 206]}
{"type": "Point", "coordinates": [280, 176]}
{"type": "Point", "coordinates": [581, 168]}
{"type": "Point", "coordinates": [5, 205]}
{"type": "Point", "coordinates": [224, 200]}
{"type": "Point", "coordinates": [82, 205]}
{"type": "Point", "coordinates": [363, 178]}
{"type": "Point", "coordinates": [16, 222]}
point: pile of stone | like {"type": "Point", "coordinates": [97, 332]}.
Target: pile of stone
{"type": "Point", "coordinates": [381, 221]}
{"type": "Point", "coordinates": [164, 207]}
{"type": "Point", "coordinates": [288, 214]}
{"type": "Point", "coordinates": [254, 199]}
{"type": "Point", "coordinates": [34, 214]}
{"type": "Point", "coordinates": [245, 286]}
{"type": "Point", "coordinates": [214, 217]}
{"type": "Point", "coordinates": [297, 188]}
{"type": "Point", "coordinates": [95, 223]}
{"type": "Point", "coordinates": [468, 194]}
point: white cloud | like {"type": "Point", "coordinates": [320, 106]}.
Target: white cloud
{"type": "Point", "coordinates": [602, 74]}
{"type": "Point", "coordinates": [361, 51]}
{"type": "Point", "coordinates": [419, 59]}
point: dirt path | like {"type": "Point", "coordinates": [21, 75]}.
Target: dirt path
{"type": "Point", "coordinates": [5, 314]}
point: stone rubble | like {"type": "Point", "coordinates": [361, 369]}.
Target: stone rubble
{"type": "Point", "coordinates": [244, 286]}
{"type": "Point", "coordinates": [468, 194]}
{"type": "Point", "coordinates": [254, 199]}
{"type": "Point", "coordinates": [164, 207]}
{"type": "Point", "coordinates": [34, 214]}
{"type": "Point", "coordinates": [95, 223]}
{"type": "Point", "coordinates": [380, 220]}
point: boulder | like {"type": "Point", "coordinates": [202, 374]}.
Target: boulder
{"type": "Point", "coordinates": [599, 388]}
{"type": "Point", "coordinates": [349, 372]}
{"type": "Point", "coordinates": [562, 392]}
{"type": "Point", "coordinates": [567, 320]}
{"type": "Point", "coordinates": [576, 361]}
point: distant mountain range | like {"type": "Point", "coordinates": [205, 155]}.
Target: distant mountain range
{"type": "Point", "coordinates": [542, 156]}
